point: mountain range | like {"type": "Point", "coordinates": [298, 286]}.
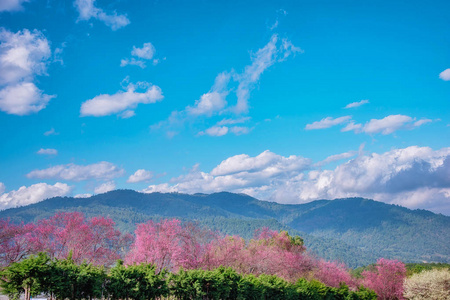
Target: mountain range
{"type": "Point", "coordinates": [355, 231]}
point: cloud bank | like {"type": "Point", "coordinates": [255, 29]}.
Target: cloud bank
{"type": "Point", "coordinates": [32, 194]}
{"type": "Point", "coordinates": [415, 177]}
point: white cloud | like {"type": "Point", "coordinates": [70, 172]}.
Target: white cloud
{"type": "Point", "coordinates": [103, 105]}
{"type": "Point", "coordinates": [239, 130]}
{"type": "Point", "coordinates": [264, 58]}
{"type": "Point", "coordinates": [12, 5]}
{"type": "Point", "coordinates": [387, 125]}
{"type": "Point", "coordinates": [392, 123]}
{"type": "Point", "coordinates": [140, 175]}
{"type": "Point", "coordinates": [82, 195]}
{"type": "Point", "coordinates": [356, 104]}
{"type": "Point", "coordinates": [352, 127]}
{"type": "Point", "coordinates": [265, 162]}
{"type": "Point", "coordinates": [214, 100]}
{"type": "Point", "coordinates": [160, 188]}
{"type": "Point", "coordinates": [337, 157]}
{"type": "Point", "coordinates": [99, 171]}
{"type": "Point", "coordinates": [88, 10]}
{"type": "Point", "coordinates": [51, 132]}
{"type": "Point", "coordinates": [2, 187]}
{"type": "Point", "coordinates": [399, 176]}
{"type": "Point", "coordinates": [327, 122]}
{"type": "Point", "coordinates": [215, 131]}
{"type": "Point", "coordinates": [421, 122]}
{"type": "Point", "coordinates": [237, 173]}
{"type": "Point", "coordinates": [233, 121]}
{"type": "Point", "coordinates": [445, 75]}
{"type": "Point", "coordinates": [23, 56]}
{"type": "Point", "coordinates": [127, 114]}
{"type": "Point", "coordinates": [47, 151]}
{"type": "Point", "coordinates": [415, 177]}
{"type": "Point", "coordinates": [145, 53]}
{"type": "Point", "coordinates": [23, 99]}
{"type": "Point", "coordinates": [33, 194]}
{"type": "Point", "coordinates": [105, 187]}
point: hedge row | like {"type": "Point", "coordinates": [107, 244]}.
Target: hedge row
{"type": "Point", "coordinates": [63, 279]}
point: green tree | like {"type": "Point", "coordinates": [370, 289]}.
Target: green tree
{"type": "Point", "coordinates": [29, 277]}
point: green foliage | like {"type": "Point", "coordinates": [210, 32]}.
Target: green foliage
{"type": "Point", "coordinates": [29, 276]}
{"type": "Point", "coordinates": [63, 279]}
{"type": "Point", "coordinates": [136, 282]}
{"type": "Point", "coordinates": [412, 268]}
{"type": "Point", "coordinates": [221, 283]}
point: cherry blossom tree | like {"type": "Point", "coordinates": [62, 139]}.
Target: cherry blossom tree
{"type": "Point", "coordinates": [15, 243]}
{"type": "Point", "coordinates": [93, 241]}
{"type": "Point", "coordinates": [387, 279]}
{"type": "Point", "coordinates": [168, 244]}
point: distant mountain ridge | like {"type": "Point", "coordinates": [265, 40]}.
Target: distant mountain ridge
{"type": "Point", "coordinates": [354, 230]}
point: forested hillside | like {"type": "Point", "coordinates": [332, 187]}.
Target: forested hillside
{"type": "Point", "coordinates": [355, 231]}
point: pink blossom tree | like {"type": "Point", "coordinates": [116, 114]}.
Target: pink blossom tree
{"type": "Point", "coordinates": [15, 241]}
{"type": "Point", "coordinates": [387, 279]}
{"type": "Point", "coordinates": [93, 241]}
{"type": "Point", "coordinates": [333, 274]}
{"type": "Point", "coordinates": [168, 244]}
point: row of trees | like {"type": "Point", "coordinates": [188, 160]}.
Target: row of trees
{"type": "Point", "coordinates": [170, 246]}
{"type": "Point", "coordinates": [64, 279]}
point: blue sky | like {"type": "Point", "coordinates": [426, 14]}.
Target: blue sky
{"type": "Point", "coordinates": [288, 101]}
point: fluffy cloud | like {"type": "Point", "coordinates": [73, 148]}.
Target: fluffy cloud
{"type": "Point", "coordinates": [12, 5]}
{"type": "Point", "coordinates": [140, 175]}
{"type": "Point", "coordinates": [141, 55]}
{"type": "Point", "coordinates": [214, 100]}
{"type": "Point", "coordinates": [327, 122]}
{"type": "Point", "coordinates": [82, 195]}
{"type": "Point", "coordinates": [392, 123]}
{"type": "Point", "coordinates": [237, 173]}
{"type": "Point", "coordinates": [352, 127]}
{"type": "Point", "coordinates": [356, 104]}
{"type": "Point", "coordinates": [415, 177]}
{"type": "Point", "coordinates": [215, 131]}
{"type": "Point", "coordinates": [88, 10]}
{"type": "Point", "coordinates": [33, 194]}
{"type": "Point", "coordinates": [2, 188]}
{"type": "Point", "coordinates": [103, 105]}
{"type": "Point", "coordinates": [445, 75]}
{"type": "Point", "coordinates": [23, 55]}
{"type": "Point", "coordinates": [23, 99]}
{"type": "Point", "coordinates": [99, 171]}
{"type": "Point", "coordinates": [47, 151]}
{"type": "Point", "coordinates": [105, 187]}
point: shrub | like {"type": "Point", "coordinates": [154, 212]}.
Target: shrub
{"type": "Point", "coordinates": [430, 285]}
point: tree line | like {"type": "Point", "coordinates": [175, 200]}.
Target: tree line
{"type": "Point", "coordinates": [64, 279]}
{"type": "Point", "coordinates": [168, 248]}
